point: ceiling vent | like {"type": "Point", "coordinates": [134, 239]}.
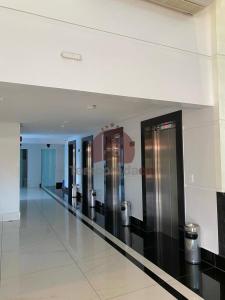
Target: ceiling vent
{"type": "Point", "coordinates": [184, 6]}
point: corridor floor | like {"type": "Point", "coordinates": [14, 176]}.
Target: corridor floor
{"type": "Point", "coordinates": [51, 254]}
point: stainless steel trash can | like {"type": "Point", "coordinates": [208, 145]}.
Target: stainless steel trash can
{"type": "Point", "coordinates": [92, 213]}
{"type": "Point", "coordinates": [192, 249]}
{"type": "Point", "coordinates": [92, 198]}
{"type": "Point", "coordinates": [125, 213]}
{"type": "Point", "coordinates": [74, 190]}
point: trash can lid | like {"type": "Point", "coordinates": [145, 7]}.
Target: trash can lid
{"type": "Point", "coordinates": [191, 227]}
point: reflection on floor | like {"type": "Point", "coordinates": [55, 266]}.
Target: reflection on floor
{"type": "Point", "coordinates": [50, 254]}
{"type": "Point", "coordinates": [204, 279]}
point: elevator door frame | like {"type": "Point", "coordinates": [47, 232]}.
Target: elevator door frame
{"type": "Point", "coordinates": [84, 140]}
{"type": "Point", "coordinates": [110, 133]}
{"type": "Point", "coordinates": [71, 175]}
{"type": "Point", "coordinates": [175, 117]}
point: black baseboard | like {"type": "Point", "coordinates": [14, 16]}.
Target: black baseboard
{"type": "Point", "coordinates": [138, 264]}
{"type": "Point", "coordinates": [65, 190]}
{"type": "Point", "coordinates": [213, 259]}
{"type": "Point", "coordinates": [136, 223]}
{"type": "Point", "coordinates": [208, 256]}
{"type": "Point", "coordinates": [58, 185]}
{"type": "Point", "coordinates": [221, 222]}
{"type": "Point", "coordinates": [100, 207]}
{"type": "Point", "coordinates": [99, 204]}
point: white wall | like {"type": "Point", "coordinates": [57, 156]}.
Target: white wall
{"type": "Point", "coordinates": [202, 173]}
{"type": "Point", "coordinates": [202, 169]}
{"type": "Point", "coordinates": [130, 48]}
{"type": "Point", "coordinates": [59, 172]}
{"type": "Point", "coordinates": [34, 163]}
{"type": "Point", "coordinates": [219, 60]}
{"type": "Point", "coordinates": [9, 171]}
{"type": "Point", "coordinates": [145, 47]}
{"type": "Point", "coordinates": [132, 18]}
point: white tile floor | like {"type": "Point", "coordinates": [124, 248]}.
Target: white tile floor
{"type": "Point", "coordinates": [50, 254]}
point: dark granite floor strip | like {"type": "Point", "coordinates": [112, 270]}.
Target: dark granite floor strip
{"type": "Point", "coordinates": [204, 279]}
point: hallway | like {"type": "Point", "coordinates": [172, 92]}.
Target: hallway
{"type": "Point", "coordinates": [112, 150]}
{"type": "Point", "coordinates": [51, 254]}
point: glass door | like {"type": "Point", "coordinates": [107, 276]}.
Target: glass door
{"type": "Point", "coordinates": [48, 167]}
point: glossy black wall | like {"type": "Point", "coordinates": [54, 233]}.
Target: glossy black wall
{"type": "Point", "coordinates": [221, 222]}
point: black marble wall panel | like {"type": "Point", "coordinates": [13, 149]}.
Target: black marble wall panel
{"type": "Point", "coordinates": [221, 222]}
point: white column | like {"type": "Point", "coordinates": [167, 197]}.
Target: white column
{"type": "Point", "coordinates": [9, 171]}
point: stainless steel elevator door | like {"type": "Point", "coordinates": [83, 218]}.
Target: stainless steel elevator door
{"type": "Point", "coordinates": [87, 164]}
{"type": "Point", "coordinates": [166, 180]}
{"type": "Point", "coordinates": [89, 167]}
{"type": "Point", "coordinates": [116, 188]}
{"type": "Point", "coordinates": [74, 165]}
{"type": "Point", "coordinates": [113, 176]}
{"type": "Point", "coordinates": [150, 183]}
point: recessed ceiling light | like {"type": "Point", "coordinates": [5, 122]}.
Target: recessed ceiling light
{"type": "Point", "coordinates": [62, 125]}
{"type": "Point", "coordinates": [92, 106]}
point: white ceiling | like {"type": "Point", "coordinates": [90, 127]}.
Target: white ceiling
{"type": "Point", "coordinates": [42, 111]}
